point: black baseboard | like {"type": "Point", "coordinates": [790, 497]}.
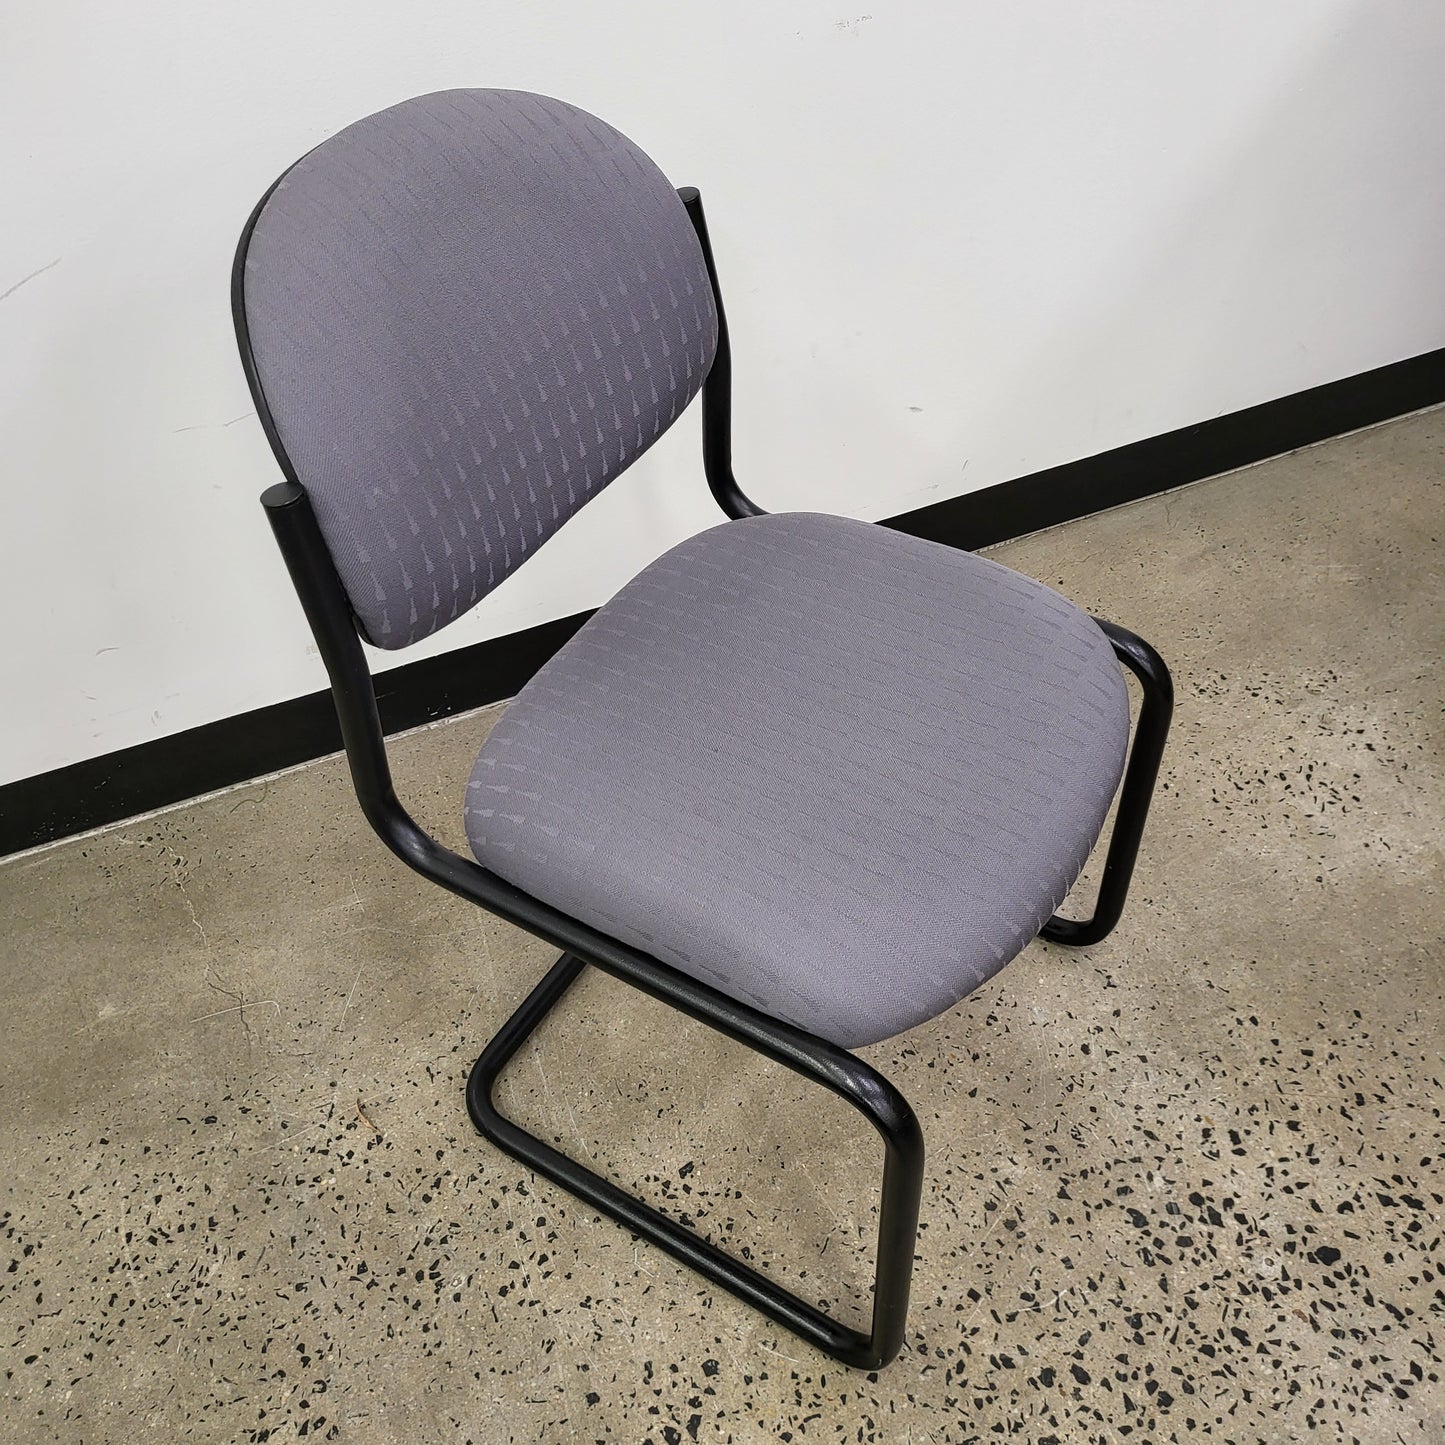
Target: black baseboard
{"type": "Point", "coordinates": [1158, 464]}
{"type": "Point", "coordinates": [168, 770]}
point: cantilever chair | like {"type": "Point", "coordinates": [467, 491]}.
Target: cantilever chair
{"type": "Point", "coordinates": [806, 779]}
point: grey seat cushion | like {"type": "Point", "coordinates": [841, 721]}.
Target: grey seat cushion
{"type": "Point", "coordinates": [836, 772]}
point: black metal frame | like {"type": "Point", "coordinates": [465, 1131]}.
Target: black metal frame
{"type": "Point", "coordinates": [1150, 734]}
{"type": "Point", "coordinates": [328, 611]}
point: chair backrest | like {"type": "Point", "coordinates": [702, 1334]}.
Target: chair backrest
{"type": "Point", "coordinates": [462, 317]}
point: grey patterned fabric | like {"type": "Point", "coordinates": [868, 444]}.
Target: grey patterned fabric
{"type": "Point", "coordinates": [836, 772]}
{"type": "Point", "coordinates": [469, 313]}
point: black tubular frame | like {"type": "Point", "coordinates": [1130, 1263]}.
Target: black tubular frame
{"type": "Point", "coordinates": [717, 388]}
{"type": "Point", "coordinates": [1137, 792]}
{"type": "Point", "coordinates": [328, 611]}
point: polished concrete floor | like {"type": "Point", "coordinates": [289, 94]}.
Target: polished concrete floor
{"type": "Point", "coordinates": [1184, 1185]}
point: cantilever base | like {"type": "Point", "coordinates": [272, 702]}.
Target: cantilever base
{"type": "Point", "coordinates": [902, 1189]}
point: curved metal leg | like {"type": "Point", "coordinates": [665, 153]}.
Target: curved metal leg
{"type": "Point", "coordinates": [878, 1101]}
{"type": "Point", "coordinates": [1138, 790]}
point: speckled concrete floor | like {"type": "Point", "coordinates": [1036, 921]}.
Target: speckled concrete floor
{"type": "Point", "coordinates": [1186, 1184]}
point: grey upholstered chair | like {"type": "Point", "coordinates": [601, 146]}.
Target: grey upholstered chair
{"type": "Point", "coordinates": [806, 779]}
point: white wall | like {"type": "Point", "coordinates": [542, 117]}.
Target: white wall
{"type": "Point", "coordinates": [959, 242]}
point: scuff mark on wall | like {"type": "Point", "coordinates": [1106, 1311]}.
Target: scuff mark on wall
{"type": "Point", "coordinates": [49, 266]}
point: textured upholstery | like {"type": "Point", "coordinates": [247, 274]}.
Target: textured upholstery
{"type": "Point", "coordinates": [837, 772]}
{"type": "Point", "coordinates": [468, 313]}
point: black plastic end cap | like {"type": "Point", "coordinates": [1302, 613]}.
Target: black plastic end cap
{"type": "Point", "coordinates": [282, 494]}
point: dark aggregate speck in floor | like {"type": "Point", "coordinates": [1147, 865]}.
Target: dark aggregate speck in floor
{"type": "Point", "coordinates": [1186, 1185]}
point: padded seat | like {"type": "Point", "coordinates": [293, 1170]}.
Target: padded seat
{"type": "Point", "coordinates": [839, 773]}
